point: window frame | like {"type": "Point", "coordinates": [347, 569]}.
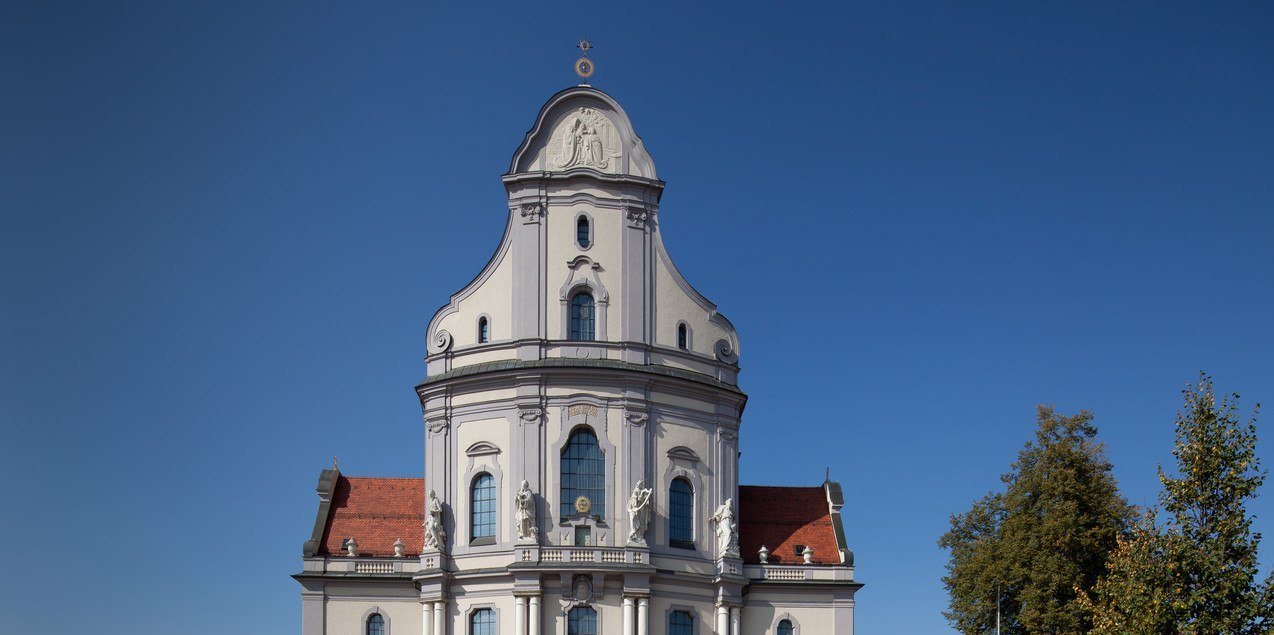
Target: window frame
{"type": "Point", "coordinates": [473, 613]}
{"type": "Point", "coordinates": [484, 329]}
{"type": "Point", "coordinates": [679, 542]}
{"type": "Point", "coordinates": [567, 501]}
{"type": "Point", "coordinates": [573, 333]}
{"type": "Point", "coordinates": [367, 617]}
{"type": "Point", "coordinates": [779, 619]}
{"type": "Point", "coordinates": [494, 512]}
{"type": "Point", "coordinates": [590, 238]}
{"type": "Point", "coordinates": [691, 626]}
{"type": "Point", "coordinates": [683, 336]}
{"type": "Point", "coordinates": [597, 621]}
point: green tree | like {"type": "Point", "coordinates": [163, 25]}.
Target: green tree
{"type": "Point", "coordinates": [1198, 573]}
{"type": "Point", "coordinates": [1046, 536]}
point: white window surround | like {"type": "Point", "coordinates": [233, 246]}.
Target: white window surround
{"type": "Point", "coordinates": [683, 463]}
{"type": "Point", "coordinates": [676, 336]}
{"type": "Point", "coordinates": [482, 457]}
{"type": "Point", "coordinates": [695, 620]}
{"type": "Point", "coordinates": [566, 622]}
{"type": "Point", "coordinates": [468, 616]}
{"type": "Point", "coordinates": [796, 626]}
{"type": "Point", "coordinates": [592, 231]}
{"type": "Point", "coordinates": [583, 276]}
{"type": "Point", "coordinates": [367, 615]}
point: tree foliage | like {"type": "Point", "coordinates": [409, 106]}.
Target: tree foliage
{"type": "Point", "coordinates": [1046, 536]}
{"type": "Point", "coordinates": [1196, 574]}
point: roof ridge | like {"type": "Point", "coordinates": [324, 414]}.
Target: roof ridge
{"type": "Point", "coordinates": [388, 478]}
{"type": "Point", "coordinates": [819, 486]}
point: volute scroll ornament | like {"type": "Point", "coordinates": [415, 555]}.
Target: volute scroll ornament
{"type": "Point", "coordinates": [725, 351]}
{"type": "Point", "coordinates": [441, 342]}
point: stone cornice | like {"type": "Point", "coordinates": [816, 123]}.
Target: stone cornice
{"type": "Point", "coordinates": [573, 363]}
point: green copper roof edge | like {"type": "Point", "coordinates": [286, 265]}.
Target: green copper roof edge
{"type": "Point", "coordinates": [560, 362]}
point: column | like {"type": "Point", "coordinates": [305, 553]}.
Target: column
{"type": "Point", "coordinates": [427, 618]}
{"type": "Point", "coordinates": [723, 620]}
{"type": "Point", "coordinates": [643, 616]}
{"type": "Point", "coordinates": [736, 618]}
{"type": "Point", "coordinates": [628, 616]}
{"type": "Point", "coordinates": [440, 615]}
{"type": "Point", "coordinates": [535, 615]}
{"type": "Point", "coordinates": [519, 616]}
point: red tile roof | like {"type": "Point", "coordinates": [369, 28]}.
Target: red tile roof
{"type": "Point", "coordinates": [376, 512]}
{"type": "Point", "coordinates": [781, 518]}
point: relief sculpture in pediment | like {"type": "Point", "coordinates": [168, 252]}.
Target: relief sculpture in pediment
{"type": "Point", "coordinates": [585, 138]}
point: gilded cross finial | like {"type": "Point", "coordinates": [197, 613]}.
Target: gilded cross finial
{"type": "Point", "coordinates": [584, 66]}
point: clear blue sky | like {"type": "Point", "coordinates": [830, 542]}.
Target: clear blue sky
{"type": "Point", "coordinates": [225, 226]}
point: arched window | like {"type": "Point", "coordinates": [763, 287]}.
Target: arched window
{"type": "Point", "coordinates": [582, 620]}
{"type": "Point", "coordinates": [484, 330]}
{"type": "Point", "coordinates": [681, 503]}
{"type": "Point", "coordinates": [583, 473]}
{"type": "Point", "coordinates": [583, 317]}
{"type": "Point", "coordinates": [482, 622]}
{"type": "Point", "coordinates": [681, 623]}
{"type": "Point", "coordinates": [583, 236]}
{"type": "Point", "coordinates": [376, 624]}
{"type": "Point", "coordinates": [785, 627]}
{"type": "Point", "coordinates": [482, 509]}
{"type": "Point", "coordinates": [682, 337]}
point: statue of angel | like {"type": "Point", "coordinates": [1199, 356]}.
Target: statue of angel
{"type": "Point", "coordinates": [639, 513]}
{"type": "Point", "coordinates": [435, 536]}
{"type": "Point", "coordinates": [524, 503]}
{"type": "Point", "coordinates": [727, 531]}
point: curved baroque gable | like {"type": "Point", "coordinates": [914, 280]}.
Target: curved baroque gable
{"type": "Point", "coordinates": [583, 128]}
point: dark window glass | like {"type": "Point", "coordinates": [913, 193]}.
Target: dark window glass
{"type": "Point", "coordinates": [681, 337]}
{"type": "Point", "coordinates": [582, 620]}
{"type": "Point", "coordinates": [583, 473]}
{"type": "Point", "coordinates": [681, 501]}
{"type": "Point", "coordinates": [376, 624]}
{"type": "Point", "coordinates": [785, 627]}
{"type": "Point", "coordinates": [680, 623]}
{"type": "Point", "coordinates": [482, 510]}
{"type": "Point", "coordinates": [484, 331]}
{"type": "Point", "coordinates": [482, 622]}
{"type": "Point", "coordinates": [581, 233]}
{"type": "Point", "coordinates": [583, 317]}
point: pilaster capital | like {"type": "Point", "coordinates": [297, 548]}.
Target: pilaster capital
{"type": "Point", "coordinates": [530, 212]}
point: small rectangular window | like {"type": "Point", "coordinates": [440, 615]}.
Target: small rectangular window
{"type": "Point", "coordinates": [582, 534]}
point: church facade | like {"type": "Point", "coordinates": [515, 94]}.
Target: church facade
{"type": "Point", "coordinates": [581, 433]}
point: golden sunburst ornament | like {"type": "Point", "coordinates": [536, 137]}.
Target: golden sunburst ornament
{"type": "Point", "coordinates": [582, 504]}
{"type": "Point", "coordinates": [583, 66]}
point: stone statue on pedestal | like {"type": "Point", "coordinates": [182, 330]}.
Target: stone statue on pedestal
{"type": "Point", "coordinates": [524, 504]}
{"type": "Point", "coordinates": [727, 531]}
{"type": "Point", "coordinates": [435, 536]}
{"type": "Point", "coordinates": [639, 514]}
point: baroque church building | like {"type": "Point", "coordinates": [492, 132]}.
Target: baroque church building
{"type": "Point", "coordinates": [581, 438]}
